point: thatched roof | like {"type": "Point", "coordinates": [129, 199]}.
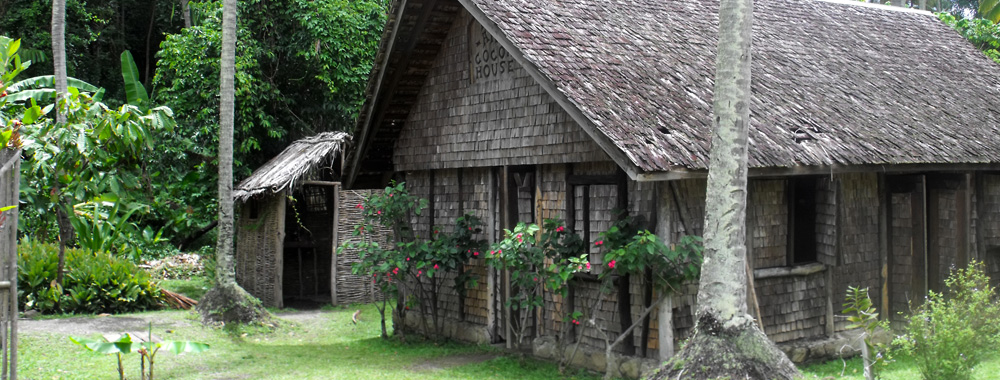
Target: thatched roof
{"type": "Point", "coordinates": [292, 165]}
{"type": "Point", "coordinates": [834, 83]}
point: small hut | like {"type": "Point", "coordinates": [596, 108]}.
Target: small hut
{"type": "Point", "coordinates": [292, 215]}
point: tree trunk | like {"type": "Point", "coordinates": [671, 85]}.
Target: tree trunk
{"type": "Point", "coordinates": [186, 11]}
{"type": "Point", "coordinates": [61, 87]}
{"type": "Point", "coordinates": [227, 302]}
{"type": "Point", "coordinates": [726, 343]}
{"type": "Point", "coordinates": [896, 3]}
{"type": "Point", "coordinates": [225, 272]}
{"type": "Point", "coordinates": [59, 53]}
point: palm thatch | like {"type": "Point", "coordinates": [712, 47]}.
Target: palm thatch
{"type": "Point", "coordinates": [292, 165]}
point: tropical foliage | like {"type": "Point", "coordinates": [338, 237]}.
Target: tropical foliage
{"type": "Point", "coordinates": [96, 282]}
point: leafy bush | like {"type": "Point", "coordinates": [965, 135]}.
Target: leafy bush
{"type": "Point", "coordinates": [951, 333]}
{"type": "Point", "coordinates": [93, 283]}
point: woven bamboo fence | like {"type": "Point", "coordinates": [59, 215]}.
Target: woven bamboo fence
{"type": "Point", "coordinates": [353, 288]}
{"type": "Point", "coordinates": [10, 167]}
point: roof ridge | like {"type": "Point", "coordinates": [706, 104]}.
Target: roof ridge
{"type": "Point", "coordinates": [879, 6]}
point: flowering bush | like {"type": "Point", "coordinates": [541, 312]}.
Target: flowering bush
{"type": "Point", "coordinates": [545, 263]}
{"type": "Point", "coordinates": [412, 265]}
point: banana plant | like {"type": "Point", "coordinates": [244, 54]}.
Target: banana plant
{"type": "Point", "coordinates": [147, 350]}
{"type": "Point", "coordinates": [990, 10]}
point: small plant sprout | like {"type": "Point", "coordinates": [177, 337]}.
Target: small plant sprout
{"type": "Point", "coordinates": [862, 314]}
{"type": "Point", "coordinates": [127, 343]}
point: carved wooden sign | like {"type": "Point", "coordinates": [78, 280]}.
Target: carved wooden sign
{"type": "Point", "coordinates": [488, 60]}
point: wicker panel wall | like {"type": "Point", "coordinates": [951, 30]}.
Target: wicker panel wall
{"type": "Point", "coordinates": [259, 247]}
{"type": "Point", "coordinates": [352, 288]}
{"type": "Point", "coordinates": [508, 121]}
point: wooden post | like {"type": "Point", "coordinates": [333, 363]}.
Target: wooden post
{"type": "Point", "coordinates": [506, 218]}
{"type": "Point", "coordinates": [831, 326]}
{"type": "Point", "coordinates": [885, 249]}
{"type": "Point", "coordinates": [980, 240]}
{"type": "Point", "coordinates": [664, 229]}
{"type": "Point", "coordinates": [665, 316]}
{"type": "Point", "coordinates": [336, 243]}
{"type": "Point", "coordinates": [491, 285]}
{"type": "Point", "coordinates": [279, 252]}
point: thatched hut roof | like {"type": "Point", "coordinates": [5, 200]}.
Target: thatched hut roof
{"type": "Point", "coordinates": [289, 167]}
{"type": "Point", "coordinates": [835, 83]}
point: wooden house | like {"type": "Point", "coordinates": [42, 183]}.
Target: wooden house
{"type": "Point", "coordinates": [875, 145]}
{"type": "Point", "coordinates": [293, 213]}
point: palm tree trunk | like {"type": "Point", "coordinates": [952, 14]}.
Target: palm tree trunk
{"type": "Point", "coordinates": [727, 343]}
{"type": "Point", "coordinates": [59, 62]}
{"type": "Point", "coordinates": [227, 302]}
{"type": "Point", "coordinates": [225, 271]}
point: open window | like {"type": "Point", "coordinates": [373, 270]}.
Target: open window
{"type": "Point", "coordinates": [801, 220]}
{"type": "Point", "coordinates": [783, 221]}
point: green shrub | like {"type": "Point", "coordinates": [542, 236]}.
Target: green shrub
{"type": "Point", "coordinates": [951, 333]}
{"type": "Point", "coordinates": [93, 282]}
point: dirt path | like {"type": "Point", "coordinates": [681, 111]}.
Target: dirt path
{"type": "Point", "coordinates": [86, 325]}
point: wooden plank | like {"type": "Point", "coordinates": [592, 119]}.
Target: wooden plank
{"type": "Point", "coordinates": [919, 211]}
{"type": "Point", "coordinates": [430, 204]}
{"type": "Point", "coordinates": [577, 180]}
{"type": "Point", "coordinates": [321, 183]}
{"type": "Point", "coordinates": [625, 313]}
{"type": "Point", "coordinates": [336, 242]}
{"type": "Point", "coordinates": [933, 256]}
{"type": "Point", "coordinates": [492, 322]}
{"type": "Point", "coordinates": [885, 249]}
{"type": "Point", "coordinates": [279, 244]}
{"type": "Point", "coordinates": [570, 216]}
{"type": "Point", "coordinates": [980, 193]}
{"type": "Point", "coordinates": [963, 220]}
{"type": "Point", "coordinates": [647, 301]}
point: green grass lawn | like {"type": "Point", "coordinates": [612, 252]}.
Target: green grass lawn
{"type": "Point", "coordinates": [901, 369]}
{"type": "Point", "coordinates": [193, 288]}
{"type": "Point", "coordinates": [326, 346]}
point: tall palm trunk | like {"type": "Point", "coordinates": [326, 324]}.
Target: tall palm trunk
{"type": "Point", "coordinates": [63, 208]}
{"type": "Point", "coordinates": [227, 301]}
{"type": "Point", "coordinates": [225, 268]}
{"type": "Point", "coordinates": [727, 343]}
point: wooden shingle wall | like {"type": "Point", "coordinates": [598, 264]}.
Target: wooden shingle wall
{"type": "Point", "coordinates": [259, 247]}
{"type": "Point", "coordinates": [475, 200]}
{"type": "Point", "coordinates": [507, 121]}
{"type": "Point", "coordinates": [767, 222]}
{"type": "Point", "coordinates": [792, 307]}
{"type": "Point", "coordinates": [687, 199]}
{"type": "Point", "coordinates": [990, 228]}
{"type": "Point", "coordinates": [944, 234]}
{"type": "Point", "coordinates": [859, 238]}
{"type": "Point", "coordinates": [418, 183]}
{"type": "Point", "coordinates": [904, 264]}
{"type": "Point", "coordinates": [826, 221]}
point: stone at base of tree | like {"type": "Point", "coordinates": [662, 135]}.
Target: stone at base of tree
{"type": "Point", "coordinates": [231, 304]}
{"type": "Point", "coordinates": [738, 352]}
